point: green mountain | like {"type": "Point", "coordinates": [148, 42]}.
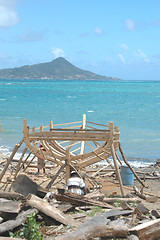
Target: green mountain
{"type": "Point", "coordinates": [59, 68]}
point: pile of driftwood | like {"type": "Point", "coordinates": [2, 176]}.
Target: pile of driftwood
{"type": "Point", "coordinates": [71, 216]}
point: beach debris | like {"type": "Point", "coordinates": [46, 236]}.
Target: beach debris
{"type": "Point", "coordinates": [9, 206]}
{"type": "Point", "coordinates": [98, 227]}
{"type": "Point", "coordinates": [149, 230]}
{"type": "Point", "coordinates": [119, 199]}
{"type": "Point", "coordinates": [11, 224]}
{"type": "Point", "coordinates": [78, 200]}
{"type": "Point", "coordinates": [155, 213]}
{"type": "Point", "coordinates": [11, 195]}
{"type": "Point", "coordinates": [24, 185]}
{"type": "Point", "coordinates": [139, 193]}
{"type": "Point", "coordinates": [49, 210]}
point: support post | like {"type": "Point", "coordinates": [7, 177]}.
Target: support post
{"type": "Point", "coordinates": [17, 146]}
{"type": "Point", "coordinates": [117, 169]}
{"type": "Point", "coordinates": [67, 165]}
{"type": "Point", "coordinates": [83, 127]}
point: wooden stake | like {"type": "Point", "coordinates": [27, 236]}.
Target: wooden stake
{"type": "Point", "coordinates": [83, 127]}
{"type": "Point", "coordinates": [67, 161]}
{"type": "Point", "coordinates": [17, 146]}
{"type": "Point", "coordinates": [117, 169]}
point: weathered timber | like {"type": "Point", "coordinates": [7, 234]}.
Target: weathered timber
{"type": "Point", "coordinates": [78, 200]}
{"type": "Point", "coordinates": [11, 224]}
{"type": "Point", "coordinates": [49, 210]}
{"type": "Point", "coordinates": [149, 230]}
{"type": "Point", "coordinates": [138, 193]}
{"type": "Point", "coordinates": [10, 206]}
{"type": "Point", "coordinates": [94, 231]}
{"type": "Point", "coordinates": [127, 200]}
{"type": "Point", "coordinates": [97, 227]}
{"type": "Point", "coordinates": [132, 237]}
{"type": "Point", "coordinates": [24, 185]}
{"type": "Point", "coordinates": [117, 170]}
{"type": "Point", "coordinates": [11, 195]}
{"type": "Point", "coordinates": [8, 238]}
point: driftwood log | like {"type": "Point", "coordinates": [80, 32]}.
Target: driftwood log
{"type": "Point", "coordinates": [97, 227]}
{"type": "Point", "coordinates": [11, 224]}
{"type": "Point", "coordinates": [149, 230]}
{"type": "Point", "coordinates": [49, 210]}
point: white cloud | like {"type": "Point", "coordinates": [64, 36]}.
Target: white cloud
{"type": "Point", "coordinates": [140, 54]}
{"type": "Point", "coordinates": [121, 57]}
{"type": "Point", "coordinates": [124, 46]}
{"type": "Point", "coordinates": [8, 15]}
{"type": "Point", "coordinates": [57, 52]}
{"type": "Point", "coordinates": [98, 31]}
{"type": "Point", "coordinates": [130, 25]}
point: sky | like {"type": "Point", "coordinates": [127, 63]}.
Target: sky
{"type": "Point", "coordinates": [117, 38]}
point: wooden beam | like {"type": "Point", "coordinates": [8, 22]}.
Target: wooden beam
{"type": "Point", "coordinates": [67, 165]}
{"type": "Point", "coordinates": [148, 230]}
{"type": "Point", "coordinates": [83, 127]}
{"type": "Point", "coordinates": [17, 146]}
{"type": "Point", "coordinates": [117, 169]}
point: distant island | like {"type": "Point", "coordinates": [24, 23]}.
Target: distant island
{"type": "Point", "coordinates": [59, 68]}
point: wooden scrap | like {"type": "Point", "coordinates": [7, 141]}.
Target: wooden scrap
{"type": "Point", "coordinates": [138, 193]}
{"type": "Point", "coordinates": [149, 230]}
{"type": "Point", "coordinates": [24, 185]}
{"type": "Point", "coordinates": [125, 206]}
{"type": "Point", "coordinates": [49, 210]}
{"type": "Point", "coordinates": [8, 238]}
{"type": "Point", "coordinates": [155, 213]}
{"type": "Point", "coordinates": [97, 227]}
{"type": "Point", "coordinates": [78, 200]}
{"type": "Point", "coordinates": [132, 237]}
{"type": "Point", "coordinates": [11, 195]}
{"type": "Point", "coordinates": [142, 209]}
{"type": "Point", "coordinates": [11, 224]}
{"type": "Point", "coordinates": [151, 199]}
{"type": "Point", "coordinates": [127, 200]}
{"type": "Point", "coordinates": [10, 206]}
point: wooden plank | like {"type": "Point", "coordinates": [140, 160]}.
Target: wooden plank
{"type": "Point", "coordinates": [10, 206]}
{"type": "Point", "coordinates": [149, 230]}
{"type": "Point", "coordinates": [74, 135]}
{"type": "Point", "coordinates": [83, 127]}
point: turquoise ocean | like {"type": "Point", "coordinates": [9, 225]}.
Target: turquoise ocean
{"type": "Point", "coordinates": [134, 106]}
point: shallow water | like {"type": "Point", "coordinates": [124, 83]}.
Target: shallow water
{"type": "Point", "coordinates": [133, 106]}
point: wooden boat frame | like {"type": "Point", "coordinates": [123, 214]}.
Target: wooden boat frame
{"type": "Point", "coordinates": [104, 140]}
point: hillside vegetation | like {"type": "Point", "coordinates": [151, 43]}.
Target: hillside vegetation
{"type": "Point", "coordinates": [59, 68]}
